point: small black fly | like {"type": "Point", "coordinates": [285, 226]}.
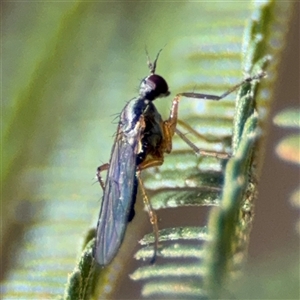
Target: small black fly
{"type": "Point", "coordinates": [142, 139]}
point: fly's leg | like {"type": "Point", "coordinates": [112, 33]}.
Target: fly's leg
{"type": "Point", "coordinates": [152, 216]}
{"type": "Point", "coordinates": [100, 169]}
{"type": "Point", "coordinates": [150, 163]}
{"type": "Point", "coordinates": [231, 90]}
{"type": "Point", "coordinates": [200, 136]}
{"type": "Point", "coordinates": [198, 151]}
{"type": "Point", "coordinates": [153, 162]}
{"type": "Point", "coordinates": [169, 126]}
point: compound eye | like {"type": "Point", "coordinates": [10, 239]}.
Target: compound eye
{"type": "Point", "coordinates": [154, 86]}
{"type": "Point", "coordinates": [159, 84]}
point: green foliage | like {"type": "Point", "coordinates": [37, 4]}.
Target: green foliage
{"type": "Point", "coordinates": [67, 68]}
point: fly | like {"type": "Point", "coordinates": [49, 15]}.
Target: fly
{"type": "Point", "coordinates": [142, 139]}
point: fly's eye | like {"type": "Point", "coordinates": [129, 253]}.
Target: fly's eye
{"type": "Point", "coordinates": [159, 84]}
{"type": "Point", "coordinates": [154, 86]}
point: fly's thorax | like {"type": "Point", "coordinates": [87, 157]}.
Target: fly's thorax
{"type": "Point", "coordinates": [132, 113]}
{"type": "Point", "coordinates": [132, 121]}
{"type": "Point", "coordinates": [135, 135]}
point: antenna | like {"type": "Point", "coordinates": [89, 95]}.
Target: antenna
{"type": "Point", "coordinates": [152, 66]}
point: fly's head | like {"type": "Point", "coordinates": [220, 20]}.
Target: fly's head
{"type": "Point", "coordinates": [153, 86]}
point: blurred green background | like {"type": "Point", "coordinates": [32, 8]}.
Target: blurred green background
{"type": "Point", "coordinates": [67, 69]}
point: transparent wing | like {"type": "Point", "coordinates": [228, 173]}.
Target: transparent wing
{"type": "Point", "coordinates": [117, 200]}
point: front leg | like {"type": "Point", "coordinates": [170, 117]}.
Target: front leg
{"type": "Point", "coordinates": [169, 126]}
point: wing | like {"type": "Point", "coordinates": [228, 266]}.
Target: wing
{"type": "Point", "coordinates": [117, 198]}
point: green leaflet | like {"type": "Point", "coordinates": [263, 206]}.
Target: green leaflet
{"type": "Point", "coordinates": [68, 67]}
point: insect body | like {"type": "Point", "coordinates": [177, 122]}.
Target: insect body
{"type": "Point", "coordinates": [142, 139]}
{"type": "Point", "coordinates": [139, 134]}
